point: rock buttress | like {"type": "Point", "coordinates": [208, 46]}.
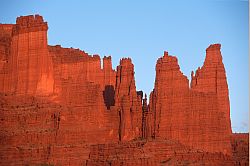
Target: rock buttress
{"type": "Point", "coordinates": [194, 117]}
{"type": "Point", "coordinates": [127, 101]}
{"type": "Point", "coordinates": [211, 79]}
{"type": "Point", "coordinates": [31, 69]}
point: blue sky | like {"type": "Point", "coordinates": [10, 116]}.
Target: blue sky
{"type": "Point", "coordinates": [142, 30]}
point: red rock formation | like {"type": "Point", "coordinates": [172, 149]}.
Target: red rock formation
{"type": "Point", "coordinates": [198, 116]}
{"type": "Point", "coordinates": [127, 101]}
{"type": "Point", "coordinates": [26, 65]}
{"type": "Point", "coordinates": [211, 78]}
{"type": "Point", "coordinates": [157, 152]}
{"type": "Point", "coordinates": [147, 120]}
{"type": "Point", "coordinates": [5, 43]}
{"type": "Point", "coordinates": [59, 106]}
{"type": "Point", "coordinates": [240, 148]}
{"type": "Point", "coordinates": [170, 88]}
{"type": "Point", "coordinates": [80, 67]}
{"type": "Point", "coordinates": [31, 69]}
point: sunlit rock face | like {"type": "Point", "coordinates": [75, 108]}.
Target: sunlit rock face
{"type": "Point", "coordinates": [198, 116]}
{"type": "Point", "coordinates": [27, 66]}
{"type": "Point", "coordinates": [62, 106]}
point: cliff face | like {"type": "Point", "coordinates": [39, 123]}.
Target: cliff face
{"type": "Point", "coordinates": [198, 116]}
{"type": "Point", "coordinates": [160, 152]}
{"type": "Point", "coordinates": [30, 67]}
{"type": "Point", "coordinates": [127, 101]}
{"type": "Point", "coordinates": [168, 97]}
{"type": "Point", "coordinates": [59, 106]}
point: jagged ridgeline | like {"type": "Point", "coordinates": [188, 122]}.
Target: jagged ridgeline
{"type": "Point", "coordinates": [60, 107]}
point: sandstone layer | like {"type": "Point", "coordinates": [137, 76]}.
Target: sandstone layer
{"type": "Point", "coordinates": [62, 106]}
{"type": "Point", "coordinates": [198, 116]}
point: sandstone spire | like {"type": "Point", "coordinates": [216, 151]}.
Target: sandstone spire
{"type": "Point", "coordinates": [170, 86]}
{"type": "Point", "coordinates": [211, 78]}
{"type": "Point", "coordinates": [127, 101]}
{"type": "Point", "coordinates": [183, 114]}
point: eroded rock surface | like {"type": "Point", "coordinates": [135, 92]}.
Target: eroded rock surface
{"type": "Point", "coordinates": [198, 116]}
{"type": "Point", "coordinates": [59, 106]}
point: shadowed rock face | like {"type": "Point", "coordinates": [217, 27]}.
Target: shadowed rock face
{"type": "Point", "coordinates": [240, 148]}
{"type": "Point", "coordinates": [109, 96]}
{"type": "Point", "coordinates": [59, 106]}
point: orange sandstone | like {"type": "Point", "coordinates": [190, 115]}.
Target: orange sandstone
{"type": "Point", "coordinates": [59, 106]}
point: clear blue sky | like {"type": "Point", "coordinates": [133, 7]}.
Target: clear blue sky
{"type": "Point", "coordinates": [143, 29]}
